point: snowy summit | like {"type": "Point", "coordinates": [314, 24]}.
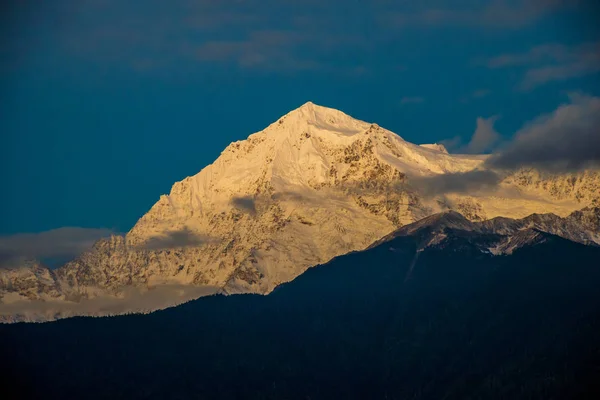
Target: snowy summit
{"type": "Point", "coordinates": [313, 185]}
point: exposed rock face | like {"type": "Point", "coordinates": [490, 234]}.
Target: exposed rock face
{"type": "Point", "coordinates": [28, 279]}
{"type": "Point", "coordinates": [313, 185]}
{"type": "Point", "coordinates": [501, 235]}
{"type": "Point", "coordinates": [580, 226]}
{"type": "Point", "coordinates": [583, 188]}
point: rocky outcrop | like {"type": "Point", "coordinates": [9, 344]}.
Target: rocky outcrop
{"type": "Point", "coordinates": [315, 184]}
{"type": "Point", "coordinates": [28, 280]}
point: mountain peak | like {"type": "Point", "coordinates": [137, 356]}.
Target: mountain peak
{"type": "Point", "coordinates": [434, 223]}
{"type": "Point", "coordinates": [315, 119]}
{"type": "Point", "coordinates": [314, 184]}
{"type": "Point", "coordinates": [313, 112]}
{"type": "Point", "coordinates": [308, 104]}
{"type": "Point", "coordinates": [446, 219]}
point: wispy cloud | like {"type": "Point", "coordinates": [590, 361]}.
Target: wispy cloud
{"type": "Point", "coordinates": [411, 100]}
{"type": "Point", "coordinates": [551, 62]}
{"type": "Point", "coordinates": [245, 204]}
{"type": "Point", "coordinates": [293, 36]}
{"type": "Point", "coordinates": [252, 35]}
{"type": "Point", "coordinates": [475, 95]}
{"type": "Point", "coordinates": [485, 136]}
{"type": "Point", "coordinates": [539, 76]}
{"type": "Point", "coordinates": [564, 140]}
{"type": "Point", "coordinates": [130, 300]}
{"type": "Point", "coordinates": [459, 182]}
{"type": "Point", "coordinates": [67, 242]}
{"type": "Point", "coordinates": [483, 139]}
{"type": "Point", "coordinates": [488, 15]}
{"type": "Point", "coordinates": [267, 49]}
{"type": "Point", "coordinates": [480, 93]}
{"type": "Point", "coordinates": [452, 144]}
{"type": "Point", "coordinates": [256, 35]}
{"type": "Point", "coordinates": [211, 20]}
{"type": "Point", "coordinates": [175, 239]}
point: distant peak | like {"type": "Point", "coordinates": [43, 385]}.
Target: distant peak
{"type": "Point", "coordinates": [445, 219]}
{"type": "Point", "coordinates": [437, 222]}
{"type": "Point", "coordinates": [435, 146]}
{"type": "Point", "coordinates": [316, 118]}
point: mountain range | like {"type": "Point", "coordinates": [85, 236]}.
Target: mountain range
{"type": "Point", "coordinates": [313, 185]}
{"type": "Point", "coordinates": [430, 312]}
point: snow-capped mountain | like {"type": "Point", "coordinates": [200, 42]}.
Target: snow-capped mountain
{"type": "Point", "coordinates": [313, 185]}
{"type": "Point", "coordinates": [452, 313]}
{"type": "Point", "coordinates": [501, 235]}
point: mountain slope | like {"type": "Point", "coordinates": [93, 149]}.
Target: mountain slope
{"type": "Point", "coordinates": [395, 321]}
{"type": "Point", "coordinates": [313, 185]}
{"type": "Point", "coordinates": [581, 226]}
{"type": "Point", "coordinates": [496, 237]}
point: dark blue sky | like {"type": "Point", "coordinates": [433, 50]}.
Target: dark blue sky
{"type": "Point", "coordinates": [105, 104]}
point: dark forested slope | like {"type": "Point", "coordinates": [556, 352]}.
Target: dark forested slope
{"type": "Point", "coordinates": [447, 322]}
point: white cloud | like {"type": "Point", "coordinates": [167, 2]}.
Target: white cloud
{"type": "Point", "coordinates": [66, 242]}
{"type": "Point", "coordinates": [484, 137]}
{"type": "Point", "coordinates": [551, 62]}
{"type": "Point", "coordinates": [129, 300]}
{"type": "Point", "coordinates": [566, 139]}
{"type": "Point", "coordinates": [539, 76]}
{"type": "Point", "coordinates": [459, 182]}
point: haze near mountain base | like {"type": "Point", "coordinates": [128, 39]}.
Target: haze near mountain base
{"type": "Point", "coordinates": [313, 185]}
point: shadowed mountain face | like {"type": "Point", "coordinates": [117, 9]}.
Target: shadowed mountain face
{"type": "Point", "coordinates": [315, 184]}
{"type": "Point", "coordinates": [498, 236]}
{"type": "Point", "coordinates": [397, 321]}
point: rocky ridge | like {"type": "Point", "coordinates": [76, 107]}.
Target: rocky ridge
{"type": "Point", "coordinates": [313, 185]}
{"type": "Point", "coordinates": [502, 235]}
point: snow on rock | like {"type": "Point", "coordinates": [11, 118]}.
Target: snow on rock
{"type": "Point", "coordinates": [313, 185]}
{"type": "Point", "coordinates": [435, 146]}
{"type": "Point", "coordinates": [501, 235]}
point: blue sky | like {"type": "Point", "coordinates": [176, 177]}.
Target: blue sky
{"type": "Point", "coordinates": [105, 104]}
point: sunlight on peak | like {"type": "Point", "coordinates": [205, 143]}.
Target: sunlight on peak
{"type": "Point", "coordinates": [322, 119]}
